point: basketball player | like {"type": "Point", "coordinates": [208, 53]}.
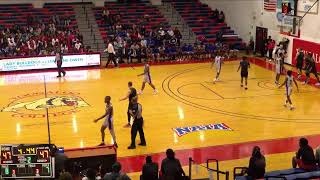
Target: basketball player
{"type": "Point", "coordinates": [311, 68]}
{"type": "Point", "coordinates": [300, 59]}
{"type": "Point", "coordinates": [279, 67]}
{"type": "Point", "coordinates": [147, 79]}
{"type": "Point", "coordinates": [132, 92]}
{"type": "Point", "coordinates": [244, 65]}
{"type": "Point", "coordinates": [58, 61]}
{"type": "Point", "coordinates": [218, 60]}
{"type": "Point", "coordinates": [137, 126]}
{"type": "Point", "coordinates": [108, 122]}
{"type": "Point", "coordinates": [288, 82]}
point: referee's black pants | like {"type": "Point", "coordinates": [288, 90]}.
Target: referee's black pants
{"type": "Point", "coordinates": [111, 58]}
{"type": "Point", "coordinates": [137, 126]}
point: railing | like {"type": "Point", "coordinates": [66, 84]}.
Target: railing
{"type": "Point", "coordinates": [210, 170]}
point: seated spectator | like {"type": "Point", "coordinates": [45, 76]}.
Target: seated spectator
{"type": "Point", "coordinates": [177, 35]}
{"type": "Point", "coordinates": [90, 175]}
{"type": "Point", "coordinates": [65, 176]}
{"type": "Point", "coordinates": [116, 174]}
{"type": "Point", "coordinates": [317, 156]}
{"type": "Point", "coordinates": [171, 167]}
{"type": "Point", "coordinates": [304, 157]}
{"type": "Point", "coordinates": [149, 170]}
{"type": "Point", "coordinates": [257, 164]}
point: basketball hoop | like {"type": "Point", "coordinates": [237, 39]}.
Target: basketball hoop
{"type": "Point", "coordinates": [290, 25]}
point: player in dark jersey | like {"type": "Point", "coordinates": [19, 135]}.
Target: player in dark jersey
{"type": "Point", "coordinates": [311, 68]}
{"type": "Point", "coordinates": [300, 59]}
{"type": "Point", "coordinates": [132, 93]}
{"type": "Point", "coordinates": [244, 66]}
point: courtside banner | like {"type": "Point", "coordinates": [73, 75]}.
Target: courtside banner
{"type": "Point", "coordinates": [47, 62]}
{"type": "Point", "coordinates": [307, 47]}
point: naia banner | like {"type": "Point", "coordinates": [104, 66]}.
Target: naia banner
{"type": "Point", "coordinates": [307, 47]}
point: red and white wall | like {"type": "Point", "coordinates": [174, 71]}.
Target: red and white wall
{"type": "Point", "coordinates": [245, 15]}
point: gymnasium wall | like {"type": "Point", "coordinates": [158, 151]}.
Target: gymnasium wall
{"type": "Point", "coordinates": [245, 15]}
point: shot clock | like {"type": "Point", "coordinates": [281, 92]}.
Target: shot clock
{"type": "Point", "coordinates": [26, 161]}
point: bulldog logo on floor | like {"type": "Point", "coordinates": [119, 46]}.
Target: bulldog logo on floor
{"type": "Point", "coordinates": [33, 105]}
{"type": "Point", "coordinates": [186, 130]}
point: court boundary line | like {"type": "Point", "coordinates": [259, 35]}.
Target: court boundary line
{"type": "Point", "coordinates": [166, 84]}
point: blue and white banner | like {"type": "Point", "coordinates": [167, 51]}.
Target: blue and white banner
{"type": "Point", "coordinates": [186, 130]}
{"type": "Point", "coordinates": [47, 62]}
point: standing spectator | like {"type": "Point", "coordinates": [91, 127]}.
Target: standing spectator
{"type": "Point", "coordinates": [221, 17]}
{"type": "Point", "coordinates": [178, 35]}
{"type": "Point", "coordinates": [257, 164]}
{"type": "Point", "coordinates": [304, 158]}
{"type": "Point", "coordinates": [111, 54]}
{"type": "Point", "coordinates": [171, 167]}
{"type": "Point", "coordinates": [271, 46]}
{"type": "Point", "coordinates": [116, 174]}
{"type": "Point", "coordinates": [149, 170]}
{"type": "Point", "coordinates": [251, 45]}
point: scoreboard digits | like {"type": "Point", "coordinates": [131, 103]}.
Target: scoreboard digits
{"type": "Point", "coordinates": [26, 161]}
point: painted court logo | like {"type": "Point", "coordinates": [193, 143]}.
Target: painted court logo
{"type": "Point", "coordinates": [185, 130]}
{"type": "Point", "coordinates": [33, 105]}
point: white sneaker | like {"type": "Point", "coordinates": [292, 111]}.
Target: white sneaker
{"type": "Point", "coordinates": [291, 107]}
{"type": "Point", "coordinates": [317, 84]}
{"type": "Point", "coordinates": [140, 92]}
{"type": "Point", "coordinates": [155, 92]}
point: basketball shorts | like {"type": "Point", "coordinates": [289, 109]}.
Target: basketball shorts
{"type": "Point", "coordinates": [147, 79]}
{"type": "Point", "coordinates": [244, 74]}
{"type": "Point", "coordinates": [288, 91]}
{"type": "Point", "coordinates": [278, 69]}
{"type": "Point", "coordinates": [218, 67]}
{"type": "Point", "coordinates": [108, 122]}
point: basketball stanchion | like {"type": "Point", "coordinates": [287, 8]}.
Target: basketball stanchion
{"type": "Point", "coordinates": [200, 171]}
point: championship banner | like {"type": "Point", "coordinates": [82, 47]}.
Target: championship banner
{"type": "Point", "coordinates": [307, 47]}
{"type": "Point", "coordinates": [47, 62]}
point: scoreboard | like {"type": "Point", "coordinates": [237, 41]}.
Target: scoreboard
{"type": "Point", "coordinates": [26, 161]}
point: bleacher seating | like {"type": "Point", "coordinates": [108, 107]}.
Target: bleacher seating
{"type": "Point", "coordinates": [198, 16]}
{"type": "Point", "coordinates": [131, 13]}
{"type": "Point", "coordinates": [16, 14]}
{"type": "Point", "coordinates": [288, 174]}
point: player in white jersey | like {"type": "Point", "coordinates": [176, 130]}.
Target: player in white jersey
{"type": "Point", "coordinates": [147, 79]}
{"type": "Point", "coordinates": [108, 122]}
{"type": "Point", "coordinates": [288, 82]}
{"type": "Point", "coordinates": [279, 66]}
{"type": "Point", "coordinates": [218, 60]}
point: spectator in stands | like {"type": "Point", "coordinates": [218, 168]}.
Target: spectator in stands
{"type": "Point", "coordinates": [221, 17]}
{"type": "Point", "coordinates": [215, 14]}
{"type": "Point", "coordinates": [304, 158]}
{"type": "Point", "coordinates": [171, 167]}
{"type": "Point", "coordinates": [90, 175]}
{"type": "Point", "coordinates": [178, 35]}
{"type": "Point", "coordinates": [257, 164]}
{"type": "Point", "coordinates": [149, 170]}
{"type": "Point", "coordinates": [77, 46]}
{"type": "Point", "coordinates": [317, 156]}
{"type": "Point", "coordinates": [65, 176]}
{"type": "Point", "coordinates": [60, 160]}
{"type": "Point", "coordinates": [116, 174]}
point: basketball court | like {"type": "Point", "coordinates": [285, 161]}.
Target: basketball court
{"type": "Point", "coordinates": [190, 114]}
